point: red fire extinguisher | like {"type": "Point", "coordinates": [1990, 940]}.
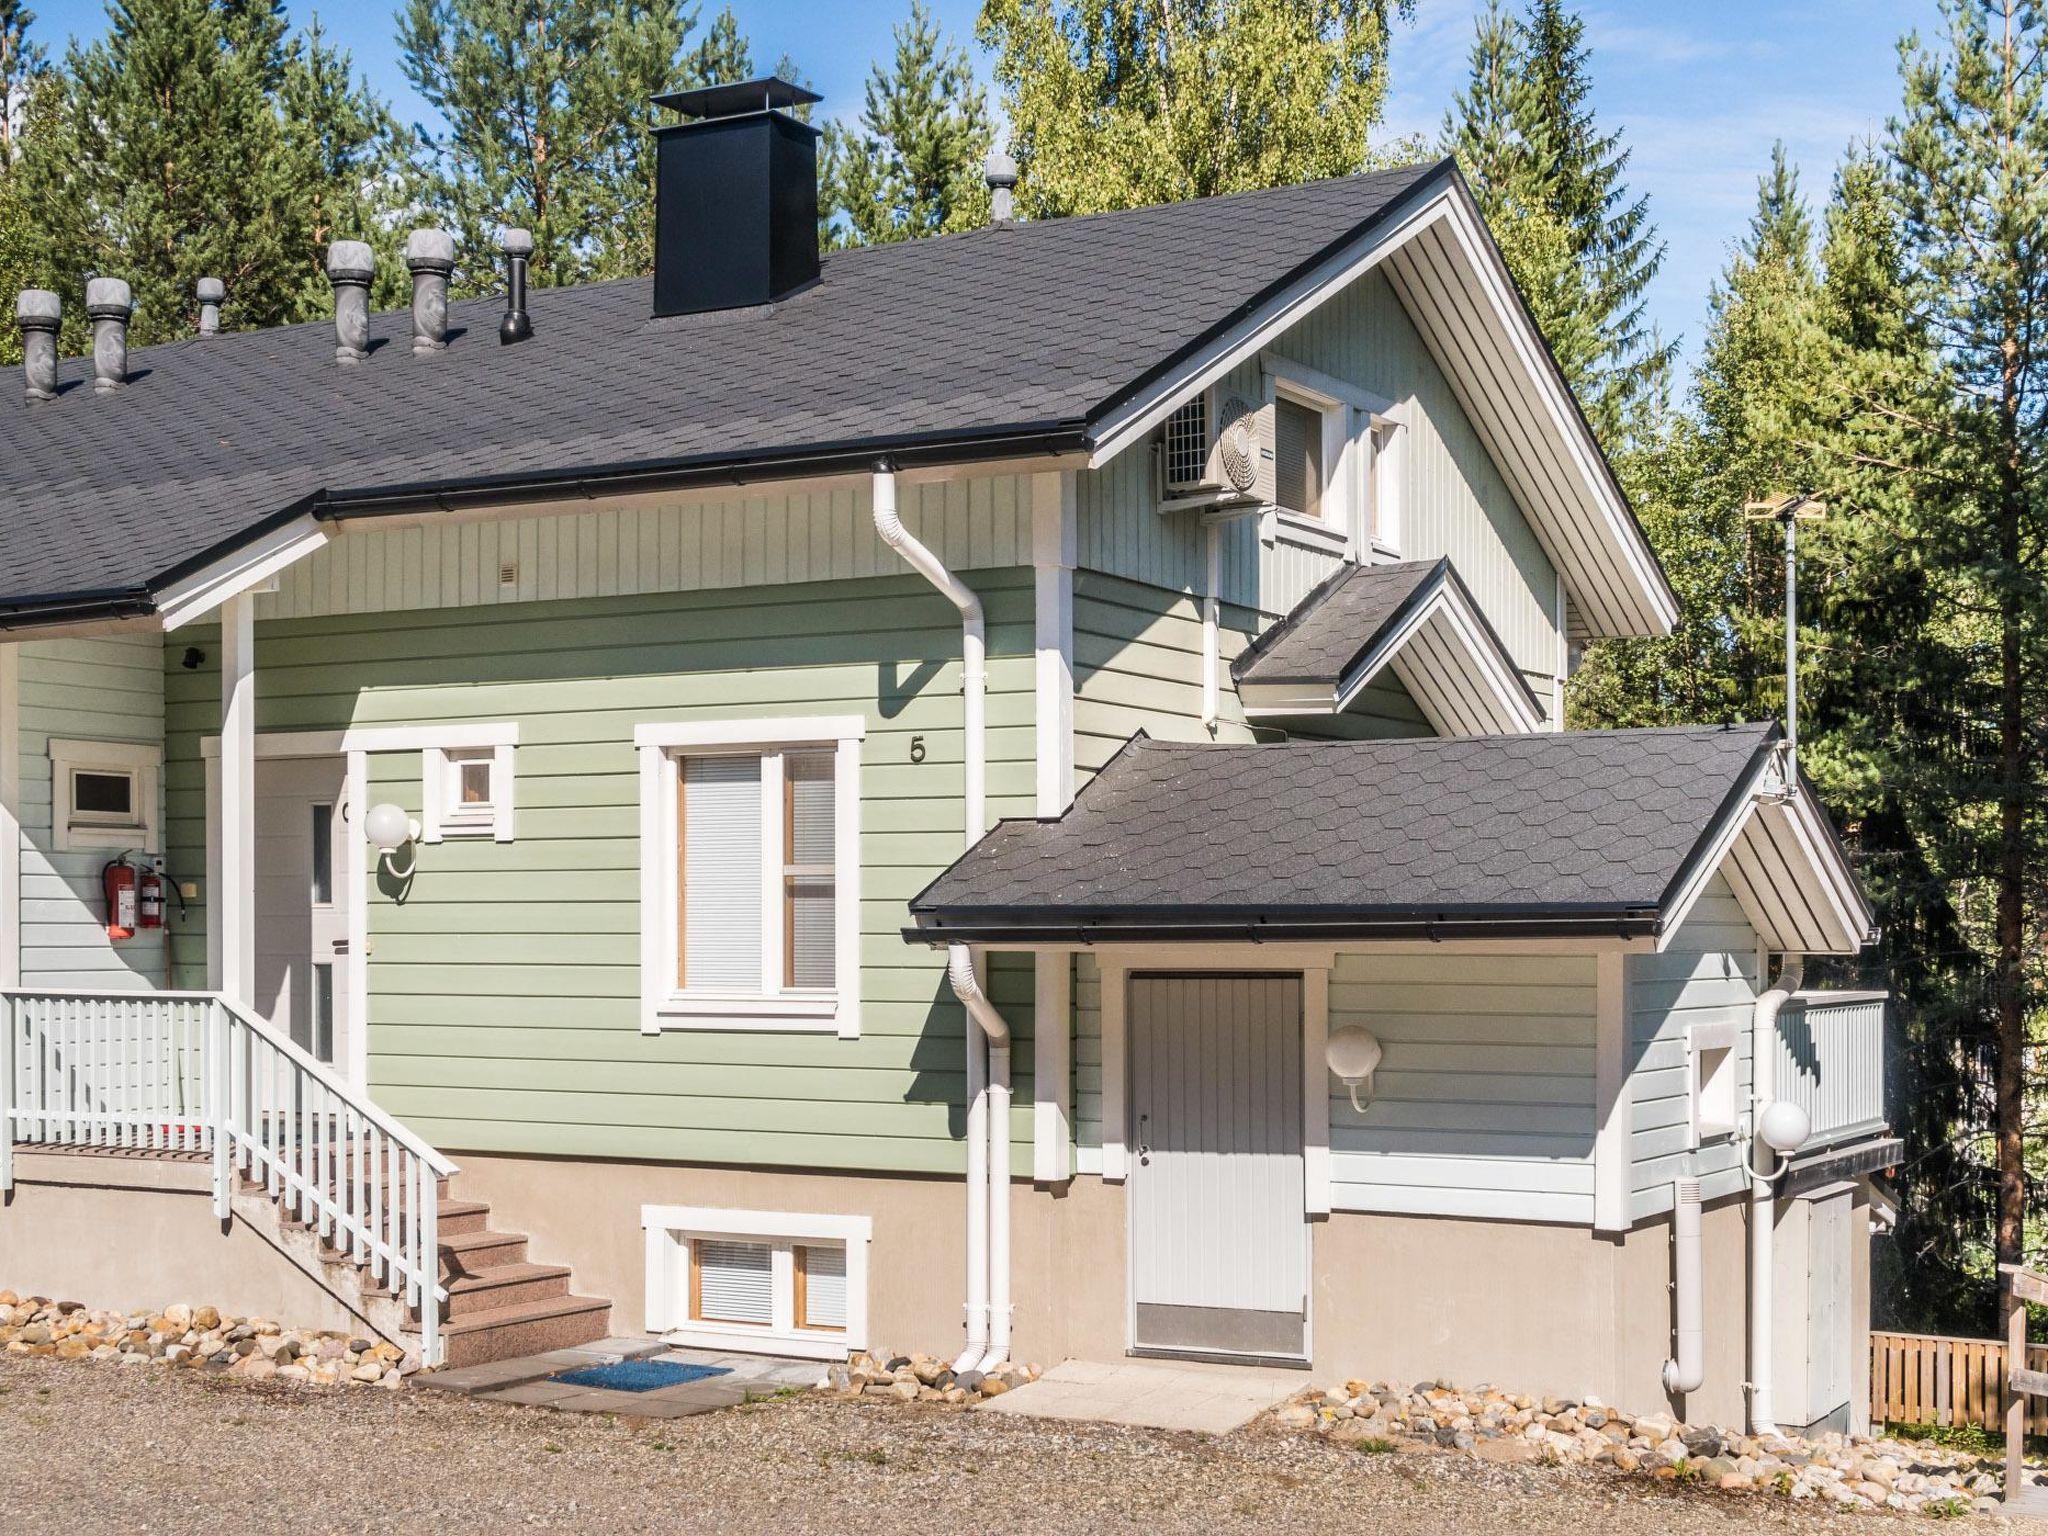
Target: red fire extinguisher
{"type": "Point", "coordinates": [117, 882]}
{"type": "Point", "coordinates": [149, 899]}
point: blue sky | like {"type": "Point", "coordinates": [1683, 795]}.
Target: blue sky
{"type": "Point", "coordinates": [1700, 88]}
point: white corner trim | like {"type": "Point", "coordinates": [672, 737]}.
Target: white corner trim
{"type": "Point", "coordinates": [1116, 991]}
{"type": "Point", "coordinates": [772, 732]}
{"type": "Point", "coordinates": [233, 574]}
{"type": "Point", "coordinates": [659, 745]}
{"type": "Point", "coordinates": [1054, 521]}
{"type": "Point", "coordinates": [671, 1229]}
{"type": "Point", "coordinates": [143, 760]}
{"type": "Point", "coordinates": [1315, 1103]}
{"type": "Point", "coordinates": [1052, 1077]}
{"type": "Point", "coordinates": [10, 829]}
{"type": "Point", "coordinates": [1613, 1096]}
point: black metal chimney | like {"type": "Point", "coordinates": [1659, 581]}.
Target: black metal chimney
{"type": "Point", "coordinates": [736, 197]}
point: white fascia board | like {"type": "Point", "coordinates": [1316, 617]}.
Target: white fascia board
{"type": "Point", "coordinates": [1255, 331]}
{"type": "Point", "coordinates": [704, 734]}
{"type": "Point", "coordinates": [1717, 853]}
{"type": "Point", "coordinates": [199, 594]}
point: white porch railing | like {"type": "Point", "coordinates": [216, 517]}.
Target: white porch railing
{"type": "Point", "coordinates": [1831, 1062]}
{"type": "Point", "coordinates": [191, 1073]}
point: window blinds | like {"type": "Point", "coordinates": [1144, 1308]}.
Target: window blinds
{"type": "Point", "coordinates": [824, 1287]}
{"type": "Point", "coordinates": [720, 874]}
{"type": "Point", "coordinates": [1298, 457]}
{"type": "Point", "coordinates": [810, 836]}
{"type": "Point", "coordinates": [735, 1282]}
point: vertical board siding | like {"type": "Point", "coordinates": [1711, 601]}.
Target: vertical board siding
{"type": "Point", "coordinates": [503, 1013]}
{"type": "Point", "coordinates": [1454, 502]}
{"type": "Point", "coordinates": [104, 689]}
{"type": "Point", "coordinates": [1707, 975]}
{"type": "Point", "coordinates": [1483, 1103]}
{"type": "Point", "coordinates": [697, 543]}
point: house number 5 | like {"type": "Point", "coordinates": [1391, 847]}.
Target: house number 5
{"type": "Point", "coordinates": [917, 749]}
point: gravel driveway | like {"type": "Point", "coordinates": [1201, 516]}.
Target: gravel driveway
{"type": "Point", "coordinates": [93, 1448]}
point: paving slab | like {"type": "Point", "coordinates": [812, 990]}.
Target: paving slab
{"type": "Point", "coordinates": [488, 1376]}
{"type": "Point", "coordinates": [531, 1394]}
{"type": "Point", "coordinates": [1155, 1394]}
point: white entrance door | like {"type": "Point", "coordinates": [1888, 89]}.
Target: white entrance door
{"type": "Point", "coordinates": [302, 903]}
{"type": "Point", "coordinates": [1828, 1334]}
{"type": "Point", "coordinates": [1219, 1239]}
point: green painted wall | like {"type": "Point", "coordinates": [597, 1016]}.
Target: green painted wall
{"type": "Point", "coordinates": [504, 991]}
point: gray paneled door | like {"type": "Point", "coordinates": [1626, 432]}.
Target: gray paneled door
{"type": "Point", "coordinates": [301, 901]}
{"type": "Point", "coordinates": [1219, 1241]}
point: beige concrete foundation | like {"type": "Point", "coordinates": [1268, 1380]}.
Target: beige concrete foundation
{"type": "Point", "coordinates": [139, 1232]}
{"type": "Point", "coordinates": [1524, 1305]}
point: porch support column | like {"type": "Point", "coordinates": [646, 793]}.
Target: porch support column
{"type": "Point", "coordinates": [10, 815]}
{"type": "Point", "coordinates": [1052, 558]}
{"type": "Point", "coordinates": [235, 900]}
{"type": "Point", "coordinates": [1612, 1100]}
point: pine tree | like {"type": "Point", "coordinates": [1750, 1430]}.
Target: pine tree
{"type": "Point", "coordinates": [913, 164]}
{"type": "Point", "coordinates": [1554, 190]}
{"type": "Point", "coordinates": [1121, 103]}
{"type": "Point", "coordinates": [21, 61]}
{"type": "Point", "coordinates": [161, 152]}
{"type": "Point", "coordinates": [1971, 150]}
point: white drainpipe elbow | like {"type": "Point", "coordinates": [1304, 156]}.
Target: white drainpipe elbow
{"type": "Point", "coordinates": [1763, 1079]}
{"type": "Point", "coordinates": [960, 971]}
{"type": "Point", "coordinates": [1686, 1369]}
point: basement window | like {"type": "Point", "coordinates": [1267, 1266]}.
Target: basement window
{"type": "Point", "coordinates": [776, 1281]}
{"type": "Point", "coordinates": [103, 795]}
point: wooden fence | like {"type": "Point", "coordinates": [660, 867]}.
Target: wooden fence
{"type": "Point", "coordinates": [1919, 1378]}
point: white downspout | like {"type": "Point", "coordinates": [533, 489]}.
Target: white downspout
{"type": "Point", "coordinates": [1687, 1368]}
{"type": "Point", "coordinates": [988, 1123]}
{"type": "Point", "coordinates": [1763, 1083]}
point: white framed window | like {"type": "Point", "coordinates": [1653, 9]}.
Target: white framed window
{"type": "Point", "coordinates": [1337, 462]}
{"type": "Point", "coordinates": [103, 794]}
{"type": "Point", "coordinates": [466, 791]}
{"type": "Point", "coordinates": [750, 874]}
{"type": "Point", "coordinates": [778, 1281]}
{"type": "Point", "coordinates": [1711, 1068]}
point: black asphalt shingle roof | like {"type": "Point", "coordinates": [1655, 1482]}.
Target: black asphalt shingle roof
{"type": "Point", "coordinates": [1336, 623]}
{"type": "Point", "coordinates": [1557, 831]}
{"type": "Point", "coordinates": [1019, 336]}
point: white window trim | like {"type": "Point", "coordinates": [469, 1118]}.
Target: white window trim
{"type": "Point", "coordinates": [143, 760]}
{"type": "Point", "coordinates": [662, 1006]}
{"type": "Point", "coordinates": [1363, 462]}
{"type": "Point", "coordinates": [1705, 1123]}
{"type": "Point", "coordinates": [439, 817]}
{"type": "Point", "coordinates": [671, 1229]}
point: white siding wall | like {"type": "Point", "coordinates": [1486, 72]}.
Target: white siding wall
{"type": "Point", "coordinates": [1483, 1104]}
{"type": "Point", "coordinates": [92, 690]}
{"type": "Point", "coordinates": [699, 542]}
{"type": "Point", "coordinates": [1708, 974]}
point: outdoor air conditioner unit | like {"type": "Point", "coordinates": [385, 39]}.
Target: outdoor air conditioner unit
{"type": "Point", "coordinates": [1217, 451]}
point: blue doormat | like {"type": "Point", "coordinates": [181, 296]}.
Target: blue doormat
{"type": "Point", "coordinates": [640, 1375]}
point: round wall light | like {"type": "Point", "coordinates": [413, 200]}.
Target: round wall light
{"type": "Point", "coordinates": [390, 829]}
{"type": "Point", "coordinates": [1353, 1053]}
{"type": "Point", "coordinates": [1784, 1126]}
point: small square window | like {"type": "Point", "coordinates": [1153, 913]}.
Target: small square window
{"type": "Point", "coordinates": [468, 793]}
{"type": "Point", "coordinates": [1711, 1050]}
{"type": "Point", "coordinates": [104, 794]}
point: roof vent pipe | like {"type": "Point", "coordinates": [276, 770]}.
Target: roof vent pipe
{"type": "Point", "coordinates": [212, 292]}
{"type": "Point", "coordinates": [517, 244]}
{"type": "Point", "coordinates": [430, 254]}
{"type": "Point", "coordinates": [109, 305]}
{"type": "Point", "coordinates": [38, 313]}
{"type": "Point", "coordinates": [1000, 172]}
{"type": "Point", "coordinates": [351, 264]}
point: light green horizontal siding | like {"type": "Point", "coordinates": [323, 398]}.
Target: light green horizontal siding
{"type": "Point", "coordinates": [103, 689]}
{"type": "Point", "coordinates": [1483, 1103]}
{"type": "Point", "coordinates": [1707, 975]}
{"type": "Point", "coordinates": [504, 991]}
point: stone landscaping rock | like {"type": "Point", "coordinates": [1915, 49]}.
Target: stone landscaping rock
{"type": "Point", "coordinates": [196, 1337]}
{"type": "Point", "coordinates": [1855, 1472]}
{"type": "Point", "coordinates": [918, 1378]}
